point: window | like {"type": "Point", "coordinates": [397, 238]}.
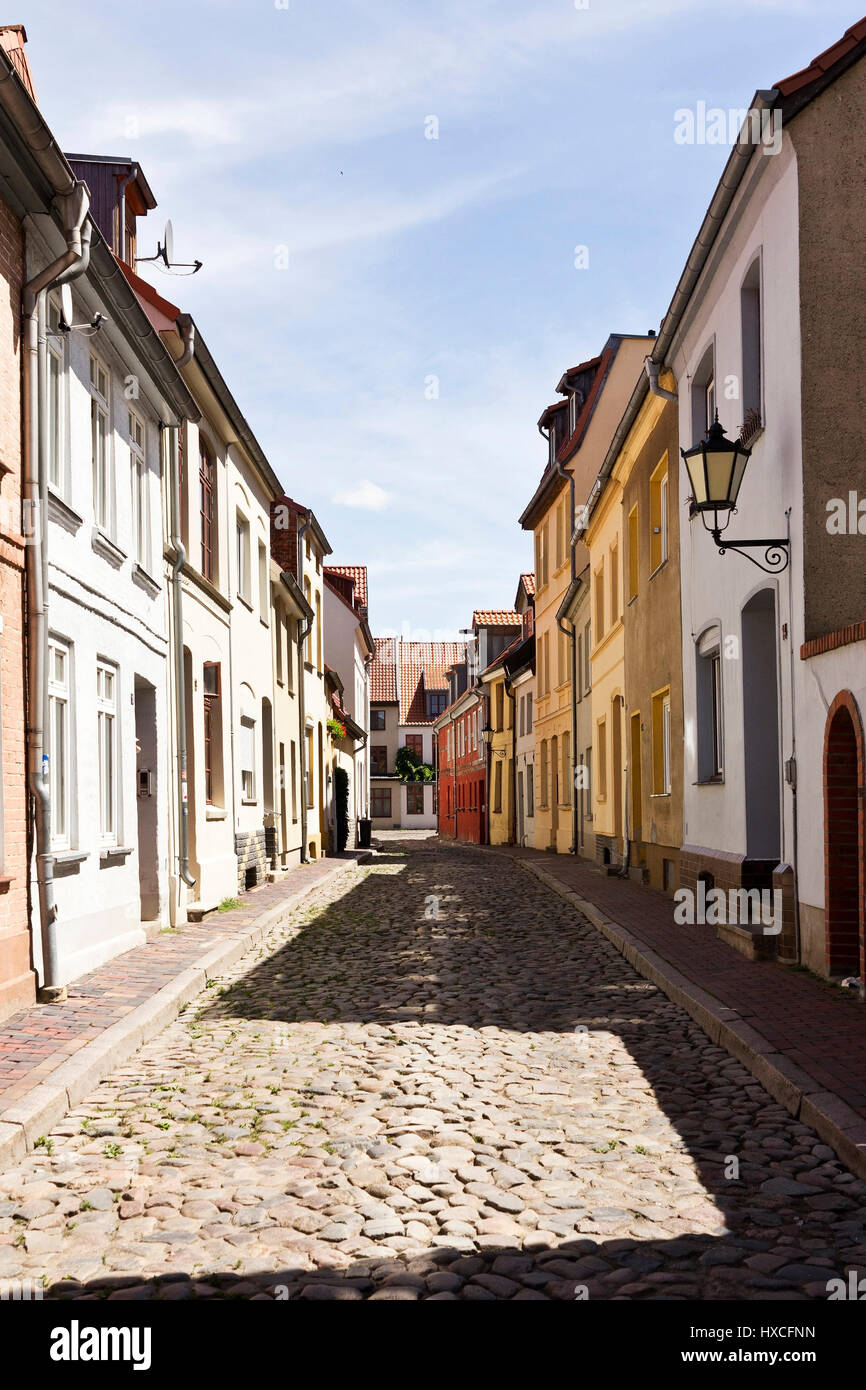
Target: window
{"type": "Point", "coordinates": [599, 604]}
{"type": "Point", "coordinates": [614, 583]}
{"type": "Point", "coordinates": [521, 719]}
{"type": "Point", "coordinates": [309, 768]}
{"type": "Point", "coordinates": [106, 750]}
{"type": "Point", "coordinates": [529, 712]}
{"type": "Point", "coordinates": [601, 761]}
{"type": "Point", "coordinates": [100, 446]}
{"type": "Point", "coordinates": [379, 760]}
{"type": "Point", "coordinates": [278, 644]}
{"type": "Point", "coordinates": [264, 584]}
{"type": "Point", "coordinates": [500, 707]}
{"type": "Point", "coordinates": [661, 716]}
{"type": "Point", "coordinates": [243, 559]}
{"type": "Point", "coordinates": [248, 759]}
{"type": "Point", "coordinates": [140, 492]}
{"type": "Point", "coordinates": [436, 702]}
{"type": "Point", "coordinates": [587, 670]}
{"type": "Point", "coordinates": [415, 799]}
{"type": "Point", "coordinates": [633, 553]}
{"type": "Point", "coordinates": [497, 785]}
{"type": "Point", "coordinates": [415, 742]}
{"type": "Point", "coordinates": [56, 400]}
{"type": "Point", "coordinates": [59, 736]}
{"type": "Point", "coordinates": [566, 777]}
{"type": "Point", "coordinates": [294, 758]}
{"type": "Point", "coordinates": [545, 653]}
{"type": "Point", "coordinates": [318, 631]}
{"type": "Point", "coordinates": [380, 802]}
{"type": "Point", "coordinates": [659, 515]}
{"type": "Point", "coordinates": [750, 327]}
{"type": "Point", "coordinates": [530, 789]}
{"type": "Point", "coordinates": [543, 790]}
{"type": "Point", "coordinates": [710, 712]}
{"type": "Point", "coordinates": [291, 639]}
{"type": "Point", "coordinates": [212, 687]}
{"type": "Point", "coordinates": [207, 494]}
{"type": "Point", "coordinates": [560, 535]}
{"type": "Point", "coordinates": [704, 394]}
{"type": "Point", "coordinates": [308, 641]}
{"type": "Point", "coordinates": [377, 719]}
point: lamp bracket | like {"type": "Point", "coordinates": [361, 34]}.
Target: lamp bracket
{"type": "Point", "coordinates": [776, 552]}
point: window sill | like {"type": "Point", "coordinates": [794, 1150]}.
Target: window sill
{"type": "Point", "coordinates": [60, 511]}
{"type": "Point", "coordinates": [717, 780]}
{"type": "Point", "coordinates": [215, 813]}
{"type": "Point", "coordinates": [249, 801]}
{"type": "Point", "coordinates": [111, 853]}
{"type": "Point", "coordinates": [264, 622]}
{"type": "Point", "coordinates": [70, 856]}
{"type": "Point", "coordinates": [659, 567]}
{"type": "Point", "coordinates": [6, 881]}
{"type": "Point", "coordinates": [105, 546]}
{"type": "Point", "coordinates": [145, 580]}
{"type": "Point", "coordinates": [659, 796]}
{"type": "Point", "coordinates": [245, 601]}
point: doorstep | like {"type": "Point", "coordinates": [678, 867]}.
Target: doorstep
{"type": "Point", "coordinates": [53, 1055]}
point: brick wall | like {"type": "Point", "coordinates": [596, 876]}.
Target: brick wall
{"type": "Point", "coordinates": [284, 534]}
{"type": "Point", "coordinates": [17, 984]}
{"type": "Point", "coordinates": [253, 859]}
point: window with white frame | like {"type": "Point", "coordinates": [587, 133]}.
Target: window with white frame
{"type": "Point", "coordinates": [140, 491]}
{"type": "Point", "coordinates": [59, 740]}
{"type": "Point", "coordinates": [106, 748]}
{"type": "Point", "coordinates": [100, 445]}
{"type": "Point", "coordinates": [243, 559]}
{"type": "Point", "coordinates": [264, 584]}
{"type": "Point", "coordinates": [56, 400]}
{"type": "Point", "coordinates": [248, 759]}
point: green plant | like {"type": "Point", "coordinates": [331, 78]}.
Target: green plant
{"type": "Point", "coordinates": [229, 904]}
{"type": "Point", "coordinates": [112, 1151]}
{"type": "Point", "coordinates": [43, 1143]}
{"type": "Point", "coordinates": [341, 803]}
{"type": "Point", "coordinates": [409, 767]}
{"type": "Point", "coordinates": [336, 728]}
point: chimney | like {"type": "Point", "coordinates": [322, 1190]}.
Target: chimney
{"type": "Point", "coordinates": [12, 39]}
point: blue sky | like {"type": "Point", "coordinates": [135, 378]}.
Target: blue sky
{"type": "Point", "coordinates": [273, 133]}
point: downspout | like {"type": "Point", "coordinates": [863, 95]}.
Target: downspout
{"type": "Point", "coordinates": [792, 774]}
{"type": "Point", "coordinates": [186, 328]}
{"type": "Point", "coordinates": [652, 370]}
{"type": "Point", "coordinates": [512, 817]}
{"type": "Point", "coordinates": [73, 207]}
{"type": "Point", "coordinates": [304, 629]}
{"type": "Point", "coordinates": [571, 634]}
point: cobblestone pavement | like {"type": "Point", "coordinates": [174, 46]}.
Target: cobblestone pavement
{"type": "Point", "coordinates": [384, 1103]}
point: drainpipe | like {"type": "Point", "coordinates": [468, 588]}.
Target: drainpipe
{"type": "Point", "coordinates": [571, 634]}
{"type": "Point", "coordinates": [304, 630]}
{"type": "Point", "coordinates": [652, 370]}
{"type": "Point", "coordinates": [791, 770]}
{"type": "Point", "coordinates": [512, 817]}
{"type": "Point", "coordinates": [73, 207]}
{"type": "Point", "coordinates": [179, 673]}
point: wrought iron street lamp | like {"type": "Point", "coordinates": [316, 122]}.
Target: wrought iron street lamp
{"type": "Point", "coordinates": [487, 734]}
{"type": "Point", "coordinates": [716, 466]}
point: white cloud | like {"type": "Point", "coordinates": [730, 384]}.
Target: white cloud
{"type": "Point", "coordinates": [369, 497]}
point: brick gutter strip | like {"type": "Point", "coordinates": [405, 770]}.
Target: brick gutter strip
{"type": "Point", "coordinates": [45, 1106]}
{"type": "Point", "coordinates": [833, 1120]}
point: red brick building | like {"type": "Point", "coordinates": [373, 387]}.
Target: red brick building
{"type": "Point", "coordinates": [17, 978]}
{"type": "Point", "coordinates": [463, 769]}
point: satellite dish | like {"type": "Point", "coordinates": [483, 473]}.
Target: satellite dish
{"type": "Point", "coordinates": [65, 306]}
{"type": "Point", "coordinates": [168, 243]}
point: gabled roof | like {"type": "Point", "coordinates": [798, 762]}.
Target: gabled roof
{"type": "Point", "coordinates": [826, 61]}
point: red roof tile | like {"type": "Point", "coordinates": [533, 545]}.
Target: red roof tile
{"type": "Point", "coordinates": [383, 672]}
{"type": "Point", "coordinates": [422, 667]}
{"type": "Point", "coordinates": [824, 61]}
{"type": "Point", "coordinates": [358, 576]}
{"type": "Point", "coordinates": [495, 617]}
{"type": "Point", "coordinates": [528, 581]}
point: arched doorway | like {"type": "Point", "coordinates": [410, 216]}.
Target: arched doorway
{"type": "Point", "coordinates": [845, 837]}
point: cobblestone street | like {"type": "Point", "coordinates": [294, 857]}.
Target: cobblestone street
{"type": "Point", "coordinates": [435, 1081]}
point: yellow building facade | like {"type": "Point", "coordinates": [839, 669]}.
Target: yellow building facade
{"type": "Point", "coordinates": [500, 794]}
{"type": "Point", "coordinates": [579, 430]}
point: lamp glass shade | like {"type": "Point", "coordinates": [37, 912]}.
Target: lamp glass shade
{"type": "Point", "coordinates": [716, 467]}
{"type": "Point", "coordinates": [487, 733]}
